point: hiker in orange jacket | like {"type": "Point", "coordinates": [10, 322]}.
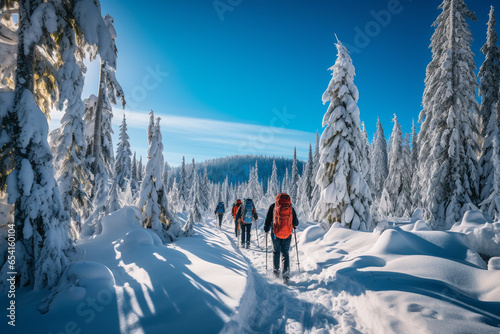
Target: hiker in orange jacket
{"type": "Point", "coordinates": [282, 218]}
{"type": "Point", "coordinates": [236, 206]}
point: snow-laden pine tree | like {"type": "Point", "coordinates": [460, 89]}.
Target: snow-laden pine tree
{"type": "Point", "coordinates": [43, 246]}
{"type": "Point", "coordinates": [490, 192]}
{"type": "Point", "coordinates": [195, 208]}
{"type": "Point", "coordinates": [153, 201]}
{"type": "Point", "coordinates": [166, 176]}
{"type": "Point", "coordinates": [183, 187]}
{"type": "Point", "coordinates": [448, 138]}
{"type": "Point", "coordinates": [379, 162]}
{"type": "Point", "coordinates": [68, 142]}
{"type": "Point", "coordinates": [285, 185]}
{"type": "Point", "coordinates": [173, 197]}
{"type": "Point", "coordinates": [366, 155]}
{"type": "Point", "coordinates": [414, 147]}
{"type": "Point", "coordinates": [397, 183]}
{"type": "Point", "coordinates": [225, 192]}
{"type": "Point", "coordinates": [305, 185]}
{"type": "Point", "coordinates": [294, 182]}
{"type": "Point", "coordinates": [140, 171]}
{"type": "Point", "coordinates": [133, 175]}
{"type": "Point", "coordinates": [316, 189]}
{"type": "Point", "coordinates": [254, 189]}
{"type": "Point", "coordinates": [122, 161]}
{"type": "Point", "coordinates": [205, 188]}
{"type": "Point", "coordinates": [489, 75]}
{"type": "Point", "coordinates": [345, 195]}
{"type": "Point", "coordinates": [273, 188]}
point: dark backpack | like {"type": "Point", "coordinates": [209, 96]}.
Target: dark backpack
{"type": "Point", "coordinates": [283, 217]}
{"type": "Point", "coordinates": [220, 208]}
{"type": "Point", "coordinates": [247, 212]}
{"type": "Point", "coordinates": [236, 207]}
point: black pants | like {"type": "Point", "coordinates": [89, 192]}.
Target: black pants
{"type": "Point", "coordinates": [281, 246]}
{"type": "Point", "coordinates": [245, 233]}
{"type": "Point", "coordinates": [220, 218]}
{"type": "Point", "coordinates": [236, 227]}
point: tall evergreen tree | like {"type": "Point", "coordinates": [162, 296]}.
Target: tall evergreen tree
{"type": "Point", "coordinates": [345, 195]}
{"type": "Point", "coordinates": [295, 178]}
{"type": "Point", "coordinates": [273, 188]}
{"type": "Point", "coordinates": [123, 162]}
{"type": "Point", "coordinates": [490, 191]}
{"type": "Point", "coordinates": [397, 182]}
{"type": "Point", "coordinates": [183, 188]}
{"type": "Point", "coordinates": [43, 245]}
{"type": "Point", "coordinates": [133, 175]}
{"type": "Point", "coordinates": [379, 161]}
{"type": "Point", "coordinates": [489, 75]}
{"type": "Point", "coordinates": [448, 138]}
{"type": "Point", "coordinates": [140, 171]}
{"type": "Point", "coordinates": [153, 200]}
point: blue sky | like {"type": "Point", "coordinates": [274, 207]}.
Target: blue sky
{"type": "Point", "coordinates": [247, 76]}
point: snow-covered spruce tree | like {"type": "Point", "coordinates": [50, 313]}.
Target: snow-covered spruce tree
{"type": "Point", "coordinates": [366, 155]}
{"type": "Point", "coordinates": [273, 188]}
{"type": "Point", "coordinates": [153, 199]}
{"type": "Point", "coordinates": [133, 176]}
{"type": "Point", "coordinates": [43, 245]}
{"type": "Point", "coordinates": [316, 189]}
{"type": "Point", "coordinates": [345, 195]}
{"type": "Point", "coordinates": [294, 184]}
{"type": "Point", "coordinates": [379, 162]}
{"type": "Point", "coordinates": [414, 147]}
{"type": "Point", "coordinates": [122, 162]}
{"type": "Point", "coordinates": [285, 185]}
{"type": "Point", "coordinates": [489, 75]}
{"type": "Point", "coordinates": [113, 204]}
{"type": "Point", "coordinates": [225, 192]}
{"type": "Point", "coordinates": [183, 188]}
{"type": "Point", "coordinates": [405, 200]}
{"type": "Point", "coordinates": [396, 184]}
{"type": "Point", "coordinates": [173, 197]}
{"type": "Point", "coordinates": [490, 192]}
{"type": "Point", "coordinates": [195, 206]}
{"type": "Point", "coordinates": [166, 176]}
{"type": "Point", "coordinates": [448, 139]}
{"type": "Point", "coordinates": [305, 185]}
{"type": "Point", "coordinates": [204, 184]}
{"type": "Point", "coordinates": [8, 44]}
{"type": "Point", "coordinates": [140, 172]}
{"type": "Point", "coordinates": [68, 142]}
{"type": "Point", "coordinates": [254, 189]}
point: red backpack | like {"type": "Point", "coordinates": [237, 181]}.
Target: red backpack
{"type": "Point", "coordinates": [283, 217]}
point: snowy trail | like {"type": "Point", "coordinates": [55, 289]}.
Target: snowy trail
{"type": "Point", "coordinates": [269, 306]}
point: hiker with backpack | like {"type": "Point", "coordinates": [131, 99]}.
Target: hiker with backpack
{"type": "Point", "coordinates": [236, 206]}
{"type": "Point", "coordinates": [219, 211]}
{"type": "Point", "coordinates": [245, 216]}
{"type": "Point", "coordinates": [282, 218]}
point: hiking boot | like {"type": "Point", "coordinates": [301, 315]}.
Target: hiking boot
{"type": "Point", "coordinates": [276, 273]}
{"type": "Point", "coordinates": [248, 246]}
{"type": "Point", "coordinates": [286, 280]}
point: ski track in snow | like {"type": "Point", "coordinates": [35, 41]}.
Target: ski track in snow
{"type": "Point", "coordinates": [268, 306]}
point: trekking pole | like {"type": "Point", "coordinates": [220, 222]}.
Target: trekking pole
{"type": "Point", "coordinates": [266, 252]}
{"type": "Point", "coordinates": [296, 248]}
{"type": "Point", "coordinates": [257, 234]}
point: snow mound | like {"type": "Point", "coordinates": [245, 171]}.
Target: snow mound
{"type": "Point", "coordinates": [421, 225]}
{"type": "Point", "coordinates": [312, 233]}
{"type": "Point", "coordinates": [121, 221]}
{"type": "Point", "coordinates": [494, 263]}
{"type": "Point", "coordinates": [88, 274]}
{"type": "Point", "coordinates": [481, 234]}
{"type": "Point", "coordinates": [137, 238]}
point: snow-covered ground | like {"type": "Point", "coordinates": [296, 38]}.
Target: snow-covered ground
{"type": "Point", "coordinates": [394, 280]}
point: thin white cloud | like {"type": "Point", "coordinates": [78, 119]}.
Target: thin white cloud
{"type": "Point", "coordinates": [208, 138]}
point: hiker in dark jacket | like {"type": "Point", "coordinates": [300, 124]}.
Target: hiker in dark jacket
{"type": "Point", "coordinates": [245, 216]}
{"type": "Point", "coordinates": [219, 211]}
{"type": "Point", "coordinates": [280, 245]}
